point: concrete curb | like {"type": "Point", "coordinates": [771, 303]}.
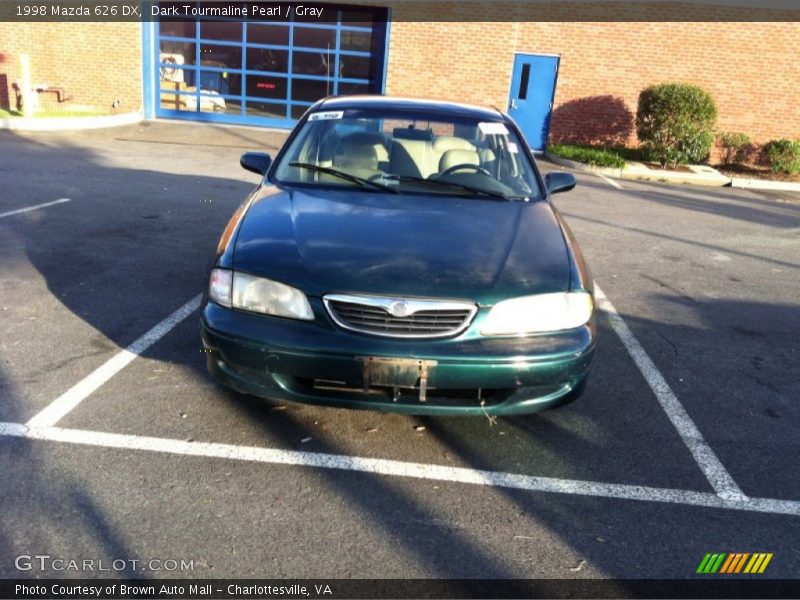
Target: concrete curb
{"type": "Point", "coordinates": [704, 175]}
{"type": "Point", "coordinates": [634, 171]}
{"type": "Point", "coordinates": [765, 184]}
{"type": "Point", "coordinates": [68, 123]}
{"type": "Point", "coordinates": [700, 175]}
{"type": "Point", "coordinates": [579, 166]}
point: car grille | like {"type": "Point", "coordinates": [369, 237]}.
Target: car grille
{"type": "Point", "coordinates": [422, 318]}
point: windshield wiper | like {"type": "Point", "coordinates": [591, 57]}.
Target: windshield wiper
{"type": "Point", "coordinates": [451, 184]}
{"type": "Point", "coordinates": [344, 175]}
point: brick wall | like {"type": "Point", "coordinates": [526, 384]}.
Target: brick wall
{"type": "Point", "coordinates": [750, 68]}
{"type": "Point", "coordinates": [96, 63]}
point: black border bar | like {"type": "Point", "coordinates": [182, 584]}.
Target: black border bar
{"type": "Point", "coordinates": [335, 589]}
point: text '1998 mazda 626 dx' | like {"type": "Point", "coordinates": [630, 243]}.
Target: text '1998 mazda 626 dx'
{"type": "Point", "coordinates": [401, 255]}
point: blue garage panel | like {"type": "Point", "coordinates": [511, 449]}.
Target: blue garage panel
{"type": "Point", "coordinates": [264, 73]}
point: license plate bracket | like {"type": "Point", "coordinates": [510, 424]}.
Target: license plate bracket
{"type": "Point", "coordinates": [397, 373]}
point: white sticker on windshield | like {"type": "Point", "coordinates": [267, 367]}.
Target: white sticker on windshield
{"type": "Point", "coordinates": [512, 147]}
{"type": "Point", "coordinates": [326, 116]}
{"type": "Point", "coordinates": [493, 128]}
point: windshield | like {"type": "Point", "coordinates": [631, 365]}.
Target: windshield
{"type": "Point", "coordinates": [386, 152]}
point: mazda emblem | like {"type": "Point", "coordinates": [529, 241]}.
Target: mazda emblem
{"type": "Point", "coordinates": [398, 308]}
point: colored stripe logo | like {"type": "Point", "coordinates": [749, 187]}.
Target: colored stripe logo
{"type": "Point", "coordinates": [734, 562]}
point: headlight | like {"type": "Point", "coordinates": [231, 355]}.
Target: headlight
{"type": "Point", "coordinates": [256, 294]}
{"type": "Point", "coordinates": [537, 314]}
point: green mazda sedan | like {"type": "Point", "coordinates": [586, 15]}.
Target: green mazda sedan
{"type": "Point", "coordinates": [401, 255]}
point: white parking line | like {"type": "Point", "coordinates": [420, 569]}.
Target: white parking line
{"type": "Point", "coordinates": [62, 405]}
{"type": "Point", "coordinates": [394, 468]}
{"type": "Point", "coordinates": [30, 208]}
{"type": "Point", "coordinates": [610, 181]}
{"type": "Point", "coordinates": [728, 495]}
{"type": "Point", "coordinates": [704, 456]}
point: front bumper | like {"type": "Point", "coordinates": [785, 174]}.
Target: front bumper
{"type": "Point", "coordinates": [317, 363]}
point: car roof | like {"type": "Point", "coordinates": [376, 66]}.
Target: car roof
{"type": "Point", "coordinates": [375, 102]}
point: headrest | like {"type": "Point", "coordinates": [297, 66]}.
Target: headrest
{"type": "Point", "coordinates": [352, 155]}
{"type": "Point", "coordinates": [487, 155]}
{"type": "Point", "coordinates": [447, 142]}
{"type": "Point", "coordinates": [408, 133]}
{"type": "Point", "coordinates": [452, 158]}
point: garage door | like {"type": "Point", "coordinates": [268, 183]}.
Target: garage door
{"type": "Point", "coordinates": [268, 73]}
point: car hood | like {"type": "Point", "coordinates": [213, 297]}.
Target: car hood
{"type": "Point", "coordinates": [325, 241]}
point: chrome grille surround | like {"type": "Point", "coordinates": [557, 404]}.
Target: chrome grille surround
{"type": "Point", "coordinates": [422, 318]}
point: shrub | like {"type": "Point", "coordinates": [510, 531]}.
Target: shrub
{"type": "Point", "coordinates": [675, 123]}
{"type": "Point", "coordinates": [783, 156]}
{"type": "Point", "coordinates": [634, 154]}
{"type": "Point", "coordinates": [734, 146]}
{"type": "Point", "coordinates": [597, 157]}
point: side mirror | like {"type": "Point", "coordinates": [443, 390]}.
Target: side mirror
{"type": "Point", "coordinates": [559, 182]}
{"type": "Point", "coordinates": [256, 162]}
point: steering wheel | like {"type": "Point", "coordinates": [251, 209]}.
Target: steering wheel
{"type": "Point", "coordinates": [454, 168]}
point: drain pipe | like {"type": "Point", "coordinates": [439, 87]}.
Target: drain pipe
{"type": "Point", "coordinates": [25, 85]}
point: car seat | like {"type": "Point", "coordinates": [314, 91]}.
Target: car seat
{"type": "Point", "coordinates": [363, 149]}
{"type": "Point", "coordinates": [451, 158]}
{"type": "Point", "coordinates": [444, 143]}
{"type": "Point", "coordinates": [411, 152]}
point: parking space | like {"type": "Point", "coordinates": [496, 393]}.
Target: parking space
{"type": "Point", "coordinates": [583, 441]}
{"type": "Point", "coordinates": [708, 282]}
{"type": "Point", "coordinates": [155, 459]}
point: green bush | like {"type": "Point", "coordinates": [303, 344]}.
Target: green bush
{"type": "Point", "coordinates": [597, 157]}
{"type": "Point", "coordinates": [783, 156]}
{"type": "Point", "coordinates": [675, 123]}
{"type": "Point", "coordinates": [734, 146]}
{"type": "Point", "coordinates": [630, 154]}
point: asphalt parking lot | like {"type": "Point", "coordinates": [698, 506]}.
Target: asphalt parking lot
{"type": "Point", "coordinates": [685, 442]}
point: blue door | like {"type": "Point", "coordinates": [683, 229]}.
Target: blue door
{"type": "Point", "coordinates": [533, 85]}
